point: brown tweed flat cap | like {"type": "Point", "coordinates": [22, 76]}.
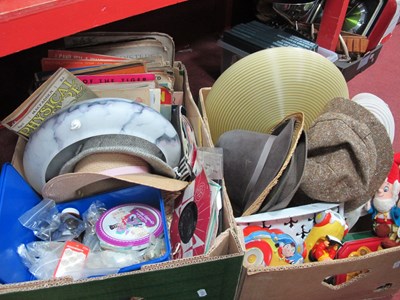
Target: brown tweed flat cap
{"type": "Point", "coordinates": [349, 155]}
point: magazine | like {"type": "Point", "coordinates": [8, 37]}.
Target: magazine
{"type": "Point", "coordinates": [60, 90]}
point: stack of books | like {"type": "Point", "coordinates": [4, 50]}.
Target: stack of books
{"type": "Point", "coordinates": [254, 36]}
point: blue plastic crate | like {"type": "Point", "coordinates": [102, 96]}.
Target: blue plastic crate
{"type": "Point", "coordinates": [17, 197]}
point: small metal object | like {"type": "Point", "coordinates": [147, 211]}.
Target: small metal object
{"type": "Point", "coordinates": [71, 223]}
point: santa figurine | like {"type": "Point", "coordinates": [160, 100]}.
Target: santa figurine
{"type": "Point", "coordinates": [385, 208]}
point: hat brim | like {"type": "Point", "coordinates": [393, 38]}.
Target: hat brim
{"type": "Point", "coordinates": [254, 206]}
{"type": "Point", "coordinates": [380, 109]}
{"type": "Point", "coordinates": [71, 186]}
{"type": "Point", "coordinates": [273, 82]}
{"type": "Point", "coordinates": [117, 143]}
{"type": "Point", "coordinates": [282, 193]}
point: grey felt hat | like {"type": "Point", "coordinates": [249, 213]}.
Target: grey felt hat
{"type": "Point", "coordinates": [349, 155]}
{"type": "Point", "coordinates": [254, 162]}
{"type": "Point", "coordinates": [282, 193]}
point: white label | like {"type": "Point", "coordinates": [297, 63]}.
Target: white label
{"type": "Point", "coordinates": [202, 293]}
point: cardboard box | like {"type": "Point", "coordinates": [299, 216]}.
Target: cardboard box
{"type": "Point", "coordinates": [349, 70]}
{"type": "Point", "coordinates": [306, 281]}
{"type": "Point", "coordinates": [215, 275]}
{"type": "Point", "coordinates": [353, 68]}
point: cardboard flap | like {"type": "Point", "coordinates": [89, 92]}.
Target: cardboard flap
{"type": "Point", "coordinates": [35, 284]}
{"type": "Point", "coordinates": [203, 93]}
{"type": "Point", "coordinates": [16, 160]}
{"type": "Point", "coordinates": [226, 243]}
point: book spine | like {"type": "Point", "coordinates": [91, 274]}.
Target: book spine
{"type": "Point", "coordinates": [52, 64]}
{"type": "Point", "coordinates": [130, 68]}
{"type": "Point", "coordinates": [96, 79]}
{"type": "Point", "coordinates": [69, 54]}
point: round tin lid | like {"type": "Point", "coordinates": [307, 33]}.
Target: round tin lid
{"type": "Point", "coordinates": [129, 225]}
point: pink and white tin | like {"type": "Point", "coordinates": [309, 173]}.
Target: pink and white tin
{"type": "Point", "coordinates": [129, 226]}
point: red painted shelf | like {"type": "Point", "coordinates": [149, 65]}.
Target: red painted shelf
{"type": "Point", "coordinates": [332, 22]}
{"type": "Point", "coordinates": [28, 23]}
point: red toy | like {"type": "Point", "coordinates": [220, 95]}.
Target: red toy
{"type": "Point", "coordinates": [357, 248]}
{"type": "Point", "coordinates": [325, 249]}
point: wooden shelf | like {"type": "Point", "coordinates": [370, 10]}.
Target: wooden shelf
{"type": "Point", "coordinates": [28, 23]}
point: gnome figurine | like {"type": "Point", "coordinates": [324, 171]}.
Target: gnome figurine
{"type": "Point", "coordinates": [385, 208]}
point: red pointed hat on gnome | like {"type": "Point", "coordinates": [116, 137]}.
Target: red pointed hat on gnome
{"type": "Point", "coordinates": [394, 171]}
